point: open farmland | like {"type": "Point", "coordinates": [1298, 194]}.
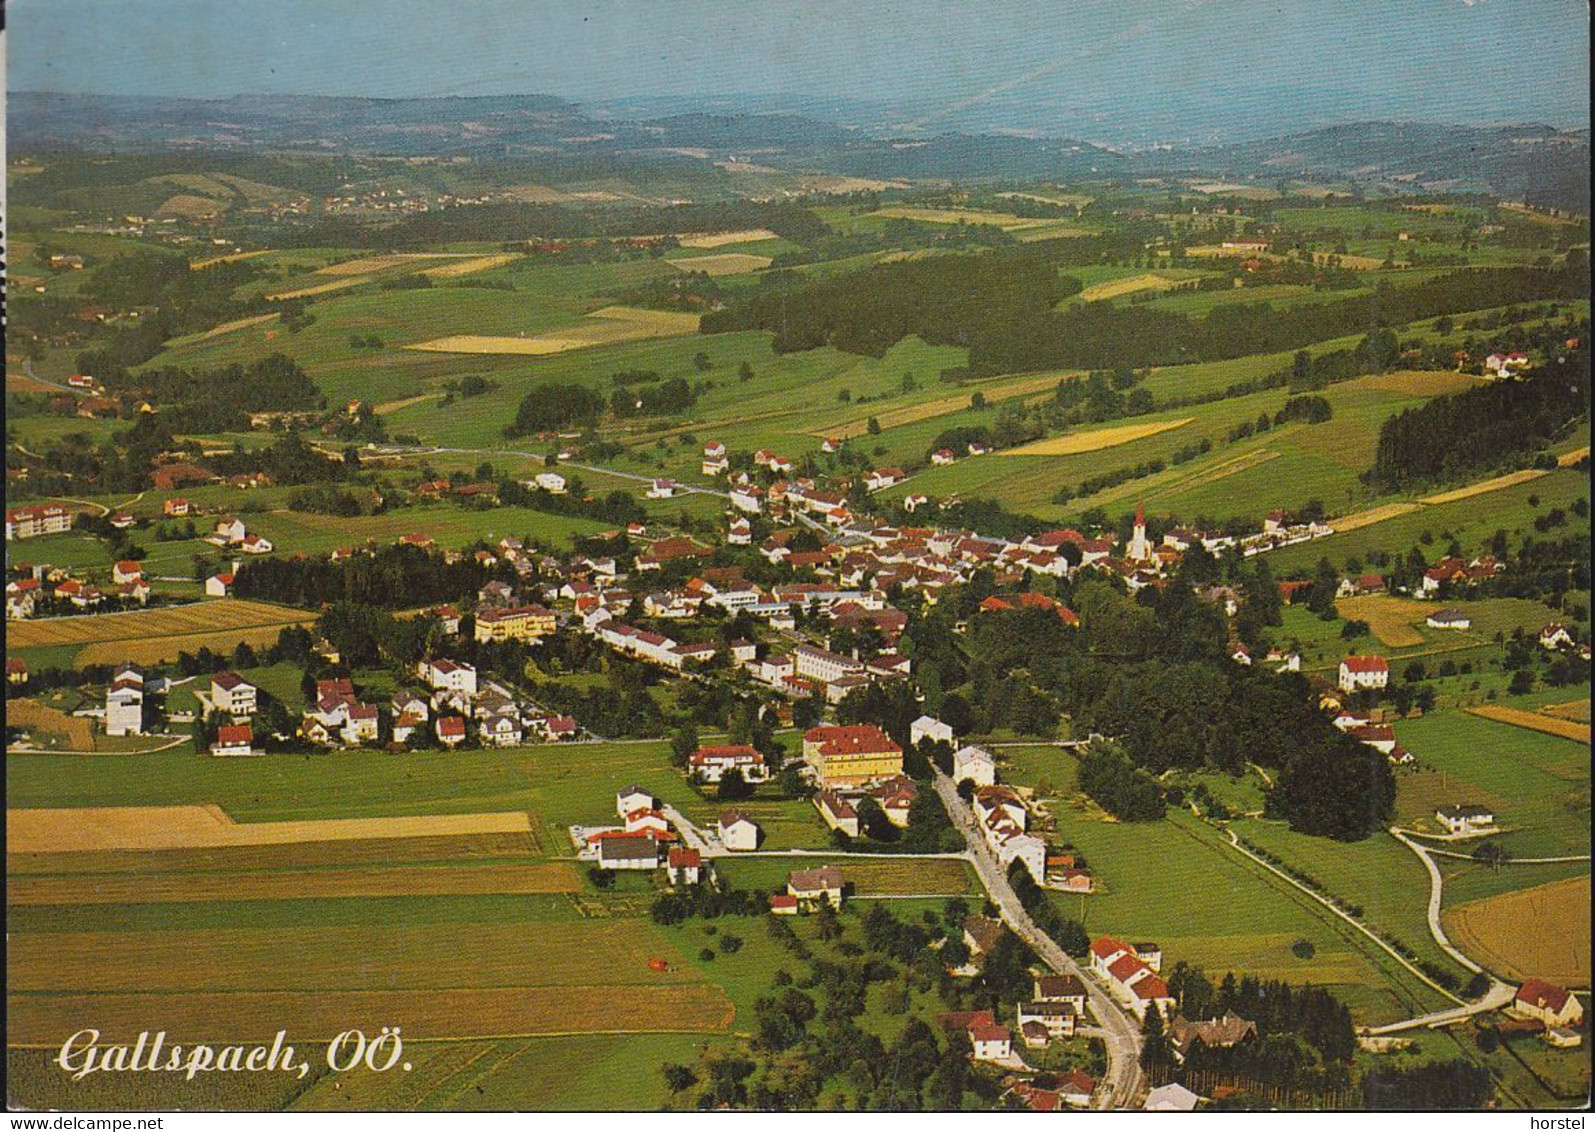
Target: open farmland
{"type": "Point", "coordinates": [320, 288]}
{"type": "Point", "coordinates": [32, 716]}
{"type": "Point", "coordinates": [199, 827]}
{"type": "Point", "coordinates": [1390, 618]}
{"type": "Point", "coordinates": [723, 239]}
{"type": "Point", "coordinates": [1536, 721]}
{"type": "Point", "coordinates": [1096, 439]}
{"type": "Point", "coordinates": [1558, 949]}
{"type": "Point", "coordinates": [731, 263]}
{"type": "Point", "coordinates": [469, 266]}
{"type": "Point", "coordinates": [1511, 479]}
{"type": "Point", "coordinates": [1129, 286]}
{"type": "Point", "coordinates": [612, 325]}
{"type": "Point", "coordinates": [942, 406]}
{"type": "Point", "coordinates": [896, 876]}
{"type": "Point", "coordinates": [154, 635]}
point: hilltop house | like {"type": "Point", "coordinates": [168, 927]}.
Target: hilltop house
{"type": "Point", "coordinates": [1359, 672]}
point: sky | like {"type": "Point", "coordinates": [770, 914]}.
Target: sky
{"type": "Point", "coordinates": [1458, 60]}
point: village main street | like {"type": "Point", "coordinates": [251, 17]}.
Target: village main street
{"type": "Point", "coordinates": [1124, 1083]}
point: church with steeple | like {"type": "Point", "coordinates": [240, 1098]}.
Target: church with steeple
{"type": "Point", "coordinates": [1140, 547]}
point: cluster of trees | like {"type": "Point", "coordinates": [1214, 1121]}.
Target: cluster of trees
{"type": "Point", "coordinates": [555, 405]}
{"type": "Point", "coordinates": [1120, 787]}
{"type": "Point", "coordinates": [1455, 1086]}
{"type": "Point", "coordinates": [392, 577]}
{"type": "Point", "coordinates": [1001, 304]}
{"type": "Point", "coordinates": [1460, 432]}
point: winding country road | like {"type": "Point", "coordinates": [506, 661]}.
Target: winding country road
{"type": "Point", "coordinates": [1123, 1083]}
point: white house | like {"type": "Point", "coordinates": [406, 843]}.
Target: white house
{"type": "Point", "coordinates": [630, 799]}
{"type": "Point", "coordinates": [444, 674]}
{"type": "Point", "coordinates": [737, 831]}
{"type": "Point", "coordinates": [711, 763]}
{"type": "Point", "coordinates": [1171, 1098]}
{"type": "Point", "coordinates": [976, 764]}
{"type": "Point", "coordinates": [662, 489]}
{"type": "Point", "coordinates": [124, 702]}
{"type": "Point", "coordinates": [683, 865]}
{"type": "Point", "coordinates": [1465, 818]}
{"type": "Point", "coordinates": [234, 740]}
{"type": "Point", "coordinates": [1359, 672]}
{"type": "Point", "coordinates": [219, 585]}
{"type": "Point", "coordinates": [232, 695]}
{"type": "Point", "coordinates": [1555, 636]}
{"type": "Point", "coordinates": [1448, 619]}
{"type": "Point", "coordinates": [747, 499]}
{"type": "Point", "coordinates": [929, 727]}
{"type": "Point", "coordinates": [551, 482]}
{"type": "Point", "coordinates": [991, 1042]}
{"type": "Point", "coordinates": [619, 852]}
{"type": "Point", "coordinates": [1551, 1004]}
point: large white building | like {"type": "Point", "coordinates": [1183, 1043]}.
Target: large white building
{"type": "Point", "coordinates": [1360, 672]}
{"type": "Point", "coordinates": [124, 702]}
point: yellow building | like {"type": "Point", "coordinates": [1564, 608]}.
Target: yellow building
{"type": "Point", "coordinates": [521, 623]}
{"type": "Point", "coordinates": [851, 755]}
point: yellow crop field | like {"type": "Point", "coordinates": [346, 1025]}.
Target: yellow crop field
{"type": "Point", "coordinates": [470, 266]}
{"type": "Point", "coordinates": [728, 263]}
{"type": "Point", "coordinates": [1575, 709]}
{"type": "Point", "coordinates": [1350, 262]}
{"type": "Point", "coordinates": [925, 410]}
{"type": "Point", "coordinates": [183, 204]}
{"type": "Point", "coordinates": [1568, 459]}
{"type": "Point", "coordinates": [1390, 618]}
{"type": "Point", "coordinates": [1557, 948]}
{"type": "Point", "coordinates": [315, 884]}
{"type": "Point", "coordinates": [155, 635]}
{"type": "Point", "coordinates": [201, 264]}
{"type": "Point", "coordinates": [224, 328]}
{"type": "Point", "coordinates": [1373, 515]}
{"type": "Point", "coordinates": [98, 828]}
{"type": "Point", "coordinates": [206, 616]}
{"type": "Point", "coordinates": [1535, 721]}
{"type": "Point", "coordinates": [721, 239]}
{"type": "Point", "coordinates": [605, 327]}
{"type": "Point", "coordinates": [1079, 200]}
{"type": "Point", "coordinates": [1096, 440]}
{"type": "Point", "coordinates": [1113, 288]}
{"type": "Point", "coordinates": [1004, 220]}
{"type": "Point", "coordinates": [321, 288]}
{"type": "Point", "coordinates": [370, 264]}
{"type": "Point", "coordinates": [1511, 479]}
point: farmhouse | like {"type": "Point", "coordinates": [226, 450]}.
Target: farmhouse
{"type": "Point", "coordinates": [1551, 1004]}
{"type": "Point", "coordinates": [1360, 672]}
{"type": "Point", "coordinates": [1466, 818]}
{"type": "Point", "coordinates": [1555, 636]}
{"type": "Point", "coordinates": [219, 585]}
{"type": "Point", "coordinates": [1448, 619]}
{"type": "Point", "coordinates": [981, 934]}
{"type": "Point", "coordinates": [737, 831]}
{"type": "Point", "coordinates": [810, 886]}
{"type": "Point", "coordinates": [851, 755]}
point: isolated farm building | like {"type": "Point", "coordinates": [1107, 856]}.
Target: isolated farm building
{"type": "Point", "coordinates": [620, 852]}
{"type": "Point", "coordinates": [811, 886]}
{"type": "Point", "coordinates": [738, 831]}
{"type": "Point", "coordinates": [684, 866]}
{"type": "Point", "coordinates": [1465, 818]}
{"type": "Point", "coordinates": [1360, 672]}
{"type": "Point", "coordinates": [551, 482]}
{"type": "Point", "coordinates": [232, 694]}
{"type": "Point", "coordinates": [943, 456]}
{"type": "Point", "coordinates": [233, 740]}
{"type": "Point", "coordinates": [1551, 1004]}
{"type": "Point", "coordinates": [1448, 619]}
{"type": "Point", "coordinates": [1555, 636]}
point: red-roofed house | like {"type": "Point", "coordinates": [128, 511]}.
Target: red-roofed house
{"type": "Point", "coordinates": [1551, 1004]}
{"type": "Point", "coordinates": [684, 865]}
{"type": "Point", "coordinates": [1359, 672]}
{"type": "Point", "coordinates": [233, 740]}
{"type": "Point", "coordinates": [711, 763]}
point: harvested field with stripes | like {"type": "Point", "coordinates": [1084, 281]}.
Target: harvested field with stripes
{"type": "Point", "coordinates": [315, 884]}
{"type": "Point", "coordinates": [925, 410]}
{"type": "Point", "coordinates": [297, 855]}
{"type": "Point", "coordinates": [1095, 440]}
{"type": "Point", "coordinates": [155, 635]}
{"type": "Point", "coordinates": [200, 827]}
{"type": "Point", "coordinates": [32, 716]}
{"type": "Point", "coordinates": [1511, 479]}
{"type": "Point", "coordinates": [730, 263]}
{"type": "Point", "coordinates": [721, 239]}
{"type": "Point", "coordinates": [1390, 618]}
{"type": "Point", "coordinates": [1572, 729]}
{"type": "Point", "coordinates": [469, 266]}
{"type": "Point", "coordinates": [1373, 515]}
{"type": "Point", "coordinates": [1558, 947]}
{"type": "Point", "coordinates": [605, 327]}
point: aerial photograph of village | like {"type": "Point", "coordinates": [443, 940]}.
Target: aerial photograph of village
{"type": "Point", "coordinates": [865, 556]}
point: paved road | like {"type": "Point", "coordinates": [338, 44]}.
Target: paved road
{"type": "Point", "coordinates": [1124, 1083]}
